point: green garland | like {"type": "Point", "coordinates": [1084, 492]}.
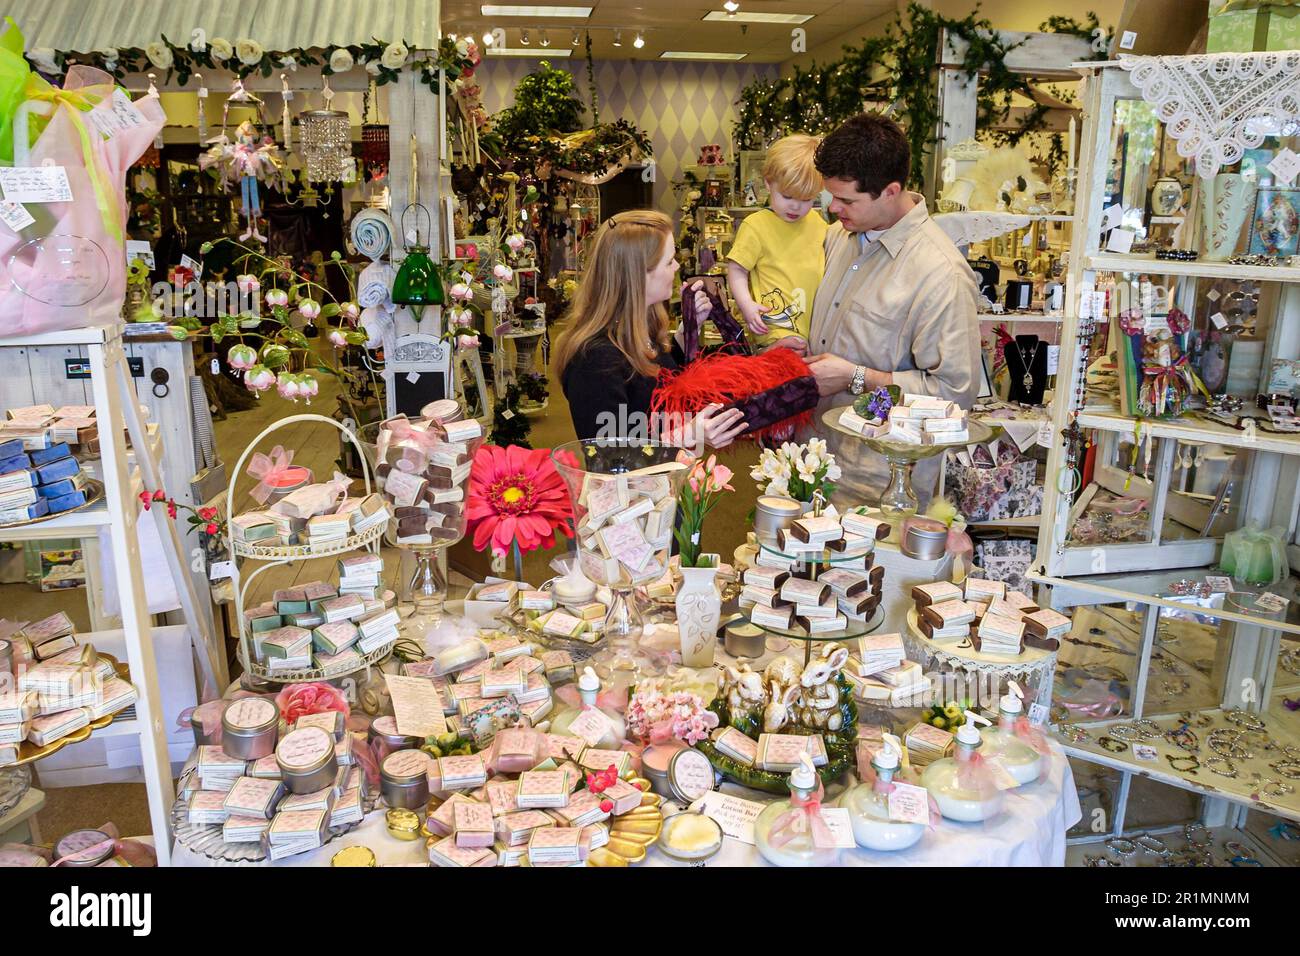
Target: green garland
{"type": "Point", "coordinates": [818, 99]}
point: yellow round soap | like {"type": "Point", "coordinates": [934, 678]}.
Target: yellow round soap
{"type": "Point", "coordinates": [354, 856]}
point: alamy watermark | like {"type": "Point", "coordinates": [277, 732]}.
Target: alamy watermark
{"type": "Point", "coordinates": [203, 300]}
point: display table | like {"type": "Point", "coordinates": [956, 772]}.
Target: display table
{"type": "Point", "coordinates": [1031, 832]}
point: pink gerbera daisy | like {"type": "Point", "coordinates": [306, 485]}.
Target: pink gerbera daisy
{"type": "Point", "coordinates": [516, 496]}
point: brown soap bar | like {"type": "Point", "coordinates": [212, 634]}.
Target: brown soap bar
{"type": "Point", "coordinates": [1041, 643]}
{"type": "Point", "coordinates": [876, 576]}
{"type": "Point", "coordinates": [948, 613]}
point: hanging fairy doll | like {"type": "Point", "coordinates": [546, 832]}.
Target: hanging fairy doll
{"type": "Point", "coordinates": [250, 159]}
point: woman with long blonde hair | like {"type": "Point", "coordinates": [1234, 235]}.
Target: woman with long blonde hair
{"type": "Point", "coordinates": [609, 359]}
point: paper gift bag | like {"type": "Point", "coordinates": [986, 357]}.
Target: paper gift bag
{"type": "Point", "coordinates": [994, 490]}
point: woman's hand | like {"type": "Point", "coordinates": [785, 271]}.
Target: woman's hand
{"type": "Point", "coordinates": [702, 304]}
{"type": "Point", "coordinates": [715, 427]}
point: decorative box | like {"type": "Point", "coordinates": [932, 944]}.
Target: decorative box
{"type": "Point", "coordinates": [994, 491]}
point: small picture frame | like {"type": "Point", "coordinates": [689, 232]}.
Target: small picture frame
{"type": "Point", "coordinates": [1275, 228]}
{"type": "Point", "coordinates": [715, 193]}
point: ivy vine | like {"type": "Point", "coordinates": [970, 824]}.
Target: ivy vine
{"type": "Point", "coordinates": [899, 67]}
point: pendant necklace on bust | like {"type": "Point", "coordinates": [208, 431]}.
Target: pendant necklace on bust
{"type": "Point", "coordinates": [1027, 359]}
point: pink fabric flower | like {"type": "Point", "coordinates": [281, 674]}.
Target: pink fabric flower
{"type": "Point", "coordinates": [349, 310]}
{"type": "Point", "coordinates": [242, 357]}
{"type": "Point", "coordinates": [247, 283]}
{"type": "Point", "coordinates": [287, 385]}
{"type": "Point", "coordinates": [466, 342]}
{"type": "Point", "coordinates": [277, 297]}
{"type": "Point", "coordinates": [299, 700]}
{"type": "Point", "coordinates": [337, 338]}
{"type": "Point", "coordinates": [655, 717]}
{"type": "Point", "coordinates": [259, 378]}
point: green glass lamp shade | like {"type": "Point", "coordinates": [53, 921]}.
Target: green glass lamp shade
{"type": "Point", "coordinates": [418, 281]}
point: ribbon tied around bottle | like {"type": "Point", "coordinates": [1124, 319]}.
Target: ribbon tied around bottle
{"type": "Point", "coordinates": [804, 816]}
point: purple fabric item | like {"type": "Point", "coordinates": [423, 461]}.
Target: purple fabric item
{"type": "Point", "coordinates": [733, 336]}
{"type": "Point", "coordinates": [789, 399]}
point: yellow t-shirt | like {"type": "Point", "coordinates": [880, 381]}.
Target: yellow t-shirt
{"type": "Point", "coordinates": [782, 255]}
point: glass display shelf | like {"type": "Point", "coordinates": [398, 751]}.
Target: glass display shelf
{"type": "Point", "coordinates": [854, 630]}
{"type": "Point", "coordinates": [1190, 427]}
{"type": "Point", "coordinates": [1154, 587]}
{"type": "Point", "coordinates": [815, 556]}
{"type": "Point", "coordinates": [1200, 268]}
{"type": "Point", "coordinates": [1250, 786]}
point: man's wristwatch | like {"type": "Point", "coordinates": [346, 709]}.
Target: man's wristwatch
{"type": "Point", "coordinates": [859, 383]}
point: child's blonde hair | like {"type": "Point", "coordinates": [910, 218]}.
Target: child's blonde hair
{"type": "Point", "coordinates": [790, 169]}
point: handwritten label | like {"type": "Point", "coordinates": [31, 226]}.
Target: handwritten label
{"type": "Point", "coordinates": [1121, 241]}
{"type": "Point", "coordinates": [1220, 320]}
{"type": "Point", "coordinates": [1128, 40]}
{"type": "Point", "coordinates": [1145, 753]}
{"type": "Point", "coordinates": [1053, 359]}
{"type": "Point", "coordinates": [413, 377]}
{"type": "Point", "coordinates": [735, 815]}
{"type": "Point", "coordinates": [15, 216]}
{"type": "Point", "coordinates": [417, 706]}
{"type": "Point", "coordinates": [249, 712]}
{"type": "Point", "coordinates": [909, 804]}
{"type": "Point", "coordinates": [35, 184]}
{"type": "Point", "coordinates": [301, 749]}
{"type": "Point", "coordinates": [1044, 436]}
{"type": "Point", "coordinates": [1285, 166]}
{"type": "Point", "coordinates": [1219, 583]}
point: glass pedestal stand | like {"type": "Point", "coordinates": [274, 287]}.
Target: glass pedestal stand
{"type": "Point", "coordinates": [426, 590]}
{"type": "Point", "coordinates": [623, 660]}
{"type": "Point", "coordinates": [899, 501]}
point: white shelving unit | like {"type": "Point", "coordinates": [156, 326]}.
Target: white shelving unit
{"type": "Point", "coordinates": [1140, 574]}
{"type": "Point", "coordinates": [116, 403]}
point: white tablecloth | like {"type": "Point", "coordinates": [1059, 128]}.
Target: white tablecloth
{"type": "Point", "coordinates": [1030, 832]}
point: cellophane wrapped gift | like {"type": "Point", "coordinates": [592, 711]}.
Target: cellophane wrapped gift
{"type": "Point", "coordinates": [994, 488]}
{"type": "Point", "coordinates": [68, 269]}
{"type": "Point", "coordinates": [423, 472]}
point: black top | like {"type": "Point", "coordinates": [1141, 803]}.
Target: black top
{"type": "Point", "coordinates": [607, 396]}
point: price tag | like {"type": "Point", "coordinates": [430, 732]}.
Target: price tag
{"type": "Point", "coordinates": [1270, 602]}
{"type": "Point", "coordinates": [507, 414]}
{"type": "Point", "coordinates": [193, 265]}
{"type": "Point", "coordinates": [1038, 714]}
{"type": "Point", "coordinates": [221, 570]}
{"type": "Point", "coordinates": [1121, 241]}
{"type": "Point", "coordinates": [413, 377]}
{"type": "Point", "coordinates": [287, 95]}
{"type": "Point", "coordinates": [1220, 320]}
{"type": "Point", "coordinates": [1128, 40]}
{"type": "Point", "coordinates": [840, 829]}
{"type": "Point", "coordinates": [203, 92]}
{"type": "Point", "coordinates": [15, 216]}
{"type": "Point", "coordinates": [1044, 436]}
{"type": "Point", "coordinates": [1213, 295]}
{"type": "Point", "coordinates": [1111, 216]}
{"type": "Point", "coordinates": [1285, 166]}
{"type": "Point", "coordinates": [909, 804]}
{"type": "Point", "coordinates": [1219, 584]}
{"type": "Point", "coordinates": [139, 249]}
{"type": "Point", "coordinates": [466, 278]}
{"type": "Point", "coordinates": [216, 366]}
{"type": "Point", "coordinates": [1145, 753]}
{"type": "Point", "coordinates": [411, 237]}
{"type": "Point", "coordinates": [35, 184]}
{"type": "Point", "coordinates": [1053, 359]}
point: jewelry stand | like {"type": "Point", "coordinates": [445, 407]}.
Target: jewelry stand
{"type": "Point", "coordinates": [1028, 378]}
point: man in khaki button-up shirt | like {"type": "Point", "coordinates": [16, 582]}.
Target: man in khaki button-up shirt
{"type": "Point", "coordinates": [897, 304]}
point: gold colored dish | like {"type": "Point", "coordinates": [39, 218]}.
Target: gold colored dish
{"type": "Point", "coordinates": [28, 752]}
{"type": "Point", "coordinates": [94, 494]}
{"type": "Point", "coordinates": [632, 834]}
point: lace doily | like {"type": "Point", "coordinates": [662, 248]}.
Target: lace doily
{"type": "Point", "coordinates": [1217, 106]}
{"type": "Point", "coordinates": [1033, 669]}
{"type": "Point", "coordinates": [963, 228]}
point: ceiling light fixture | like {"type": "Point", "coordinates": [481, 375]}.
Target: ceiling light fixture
{"type": "Point", "coordinates": [576, 38]}
{"type": "Point", "coordinates": [733, 16]}
{"type": "Point", "coordinates": [699, 55]}
{"type": "Point", "coordinates": [523, 37]}
{"type": "Point", "coordinates": [533, 51]}
{"type": "Point", "coordinates": [731, 6]}
{"type": "Point", "coordinates": [500, 10]}
{"type": "Point", "coordinates": [618, 38]}
{"type": "Point", "coordinates": [543, 39]}
{"type": "Point", "coordinates": [487, 38]}
{"type": "Point", "coordinates": [639, 42]}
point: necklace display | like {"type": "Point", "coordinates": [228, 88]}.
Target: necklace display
{"type": "Point", "coordinates": [1027, 359]}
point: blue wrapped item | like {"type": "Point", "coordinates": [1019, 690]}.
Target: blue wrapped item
{"type": "Point", "coordinates": [9, 449]}
{"type": "Point", "coordinates": [57, 489]}
{"type": "Point", "coordinates": [65, 502]}
{"type": "Point", "coordinates": [60, 468]}
{"type": "Point", "coordinates": [39, 509]}
{"type": "Point", "coordinates": [12, 465]}
{"type": "Point", "coordinates": [42, 456]}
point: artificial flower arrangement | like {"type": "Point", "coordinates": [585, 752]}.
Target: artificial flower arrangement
{"type": "Point", "coordinates": [205, 521]}
{"type": "Point", "coordinates": [315, 697]}
{"type": "Point", "coordinates": [656, 715]}
{"type": "Point", "coordinates": [704, 484]}
{"type": "Point", "coordinates": [874, 406]}
{"type": "Point", "coordinates": [797, 471]}
{"type": "Point", "coordinates": [948, 716]}
{"type": "Point", "coordinates": [286, 292]}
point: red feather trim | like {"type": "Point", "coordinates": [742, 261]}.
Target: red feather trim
{"type": "Point", "coordinates": [722, 378]}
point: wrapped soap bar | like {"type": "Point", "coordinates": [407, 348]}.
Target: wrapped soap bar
{"type": "Point", "coordinates": [818, 530]}
{"type": "Point", "coordinates": [473, 825]}
{"type": "Point", "coordinates": [583, 809]}
{"type": "Point", "coordinates": [11, 448]}
{"type": "Point", "coordinates": [65, 486]}
{"type": "Point", "coordinates": [596, 760]}
{"type": "Point", "coordinates": [984, 591]}
{"type": "Point", "coordinates": [116, 696]}
{"type": "Point", "coordinates": [935, 593]}
{"type": "Point", "coordinates": [334, 637]}
{"type": "Point", "coordinates": [1047, 624]}
{"type": "Point", "coordinates": [17, 479]}
{"type": "Point", "coordinates": [75, 499]}
{"type": "Point", "coordinates": [17, 706]}
{"type": "Point", "coordinates": [948, 614]}
{"type": "Point", "coordinates": [873, 529]}
{"type": "Point", "coordinates": [736, 745]}
{"type": "Point", "coordinates": [446, 852]}
{"type": "Point", "coordinates": [51, 727]}
{"type": "Point", "coordinates": [778, 617]}
{"type": "Point", "coordinates": [770, 578]}
{"type": "Point", "coordinates": [459, 773]}
{"type": "Point", "coordinates": [252, 526]}
{"type": "Point", "coordinates": [542, 788]}
{"type": "Point", "coordinates": [626, 797]}
{"type": "Point", "coordinates": [58, 468]}
{"type": "Point", "coordinates": [459, 656]}
{"type": "Point", "coordinates": [43, 456]}
{"type": "Point", "coordinates": [514, 829]}
{"type": "Point", "coordinates": [844, 583]}
{"type": "Point", "coordinates": [803, 591]}
{"type": "Point", "coordinates": [37, 509]}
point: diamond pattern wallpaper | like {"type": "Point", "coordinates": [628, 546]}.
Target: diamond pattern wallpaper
{"type": "Point", "coordinates": [682, 105]}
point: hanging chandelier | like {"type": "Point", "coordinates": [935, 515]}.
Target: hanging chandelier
{"type": "Point", "coordinates": [326, 142]}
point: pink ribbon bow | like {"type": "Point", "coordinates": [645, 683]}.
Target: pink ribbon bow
{"type": "Point", "coordinates": [268, 468]}
{"type": "Point", "coordinates": [804, 816]}
{"type": "Point", "coordinates": [972, 774]}
{"type": "Point", "coordinates": [1036, 739]}
{"type": "Point", "coordinates": [614, 699]}
{"type": "Point", "coordinates": [399, 430]}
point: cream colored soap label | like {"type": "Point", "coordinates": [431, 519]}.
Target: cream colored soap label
{"type": "Point", "coordinates": [909, 804]}
{"type": "Point", "coordinates": [250, 712]}
{"type": "Point", "coordinates": [418, 708]}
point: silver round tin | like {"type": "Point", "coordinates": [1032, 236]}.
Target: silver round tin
{"type": "Point", "coordinates": [249, 728]}
{"type": "Point", "coordinates": [403, 779]}
{"type": "Point", "coordinates": [742, 639]}
{"type": "Point", "coordinates": [772, 513]}
{"type": "Point", "coordinates": [306, 760]}
{"type": "Point", "coordinates": [72, 849]}
{"type": "Point", "coordinates": [926, 542]}
{"type": "Point", "coordinates": [385, 729]}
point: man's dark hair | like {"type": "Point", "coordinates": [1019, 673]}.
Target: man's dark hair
{"type": "Point", "coordinates": [869, 148]}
